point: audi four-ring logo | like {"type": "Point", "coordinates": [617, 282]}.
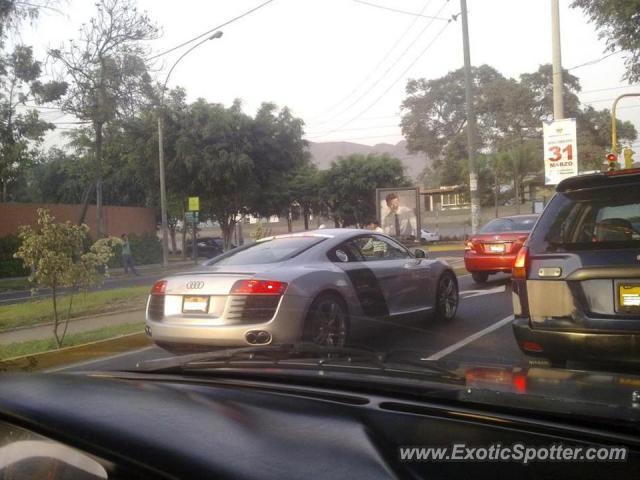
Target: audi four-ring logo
{"type": "Point", "coordinates": [194, 285]}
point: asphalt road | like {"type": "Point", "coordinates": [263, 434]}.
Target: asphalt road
{"type": "Point", "coordinates": [480, 334]}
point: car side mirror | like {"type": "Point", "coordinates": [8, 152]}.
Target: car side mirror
{"type": "Point", "coordinates": [420, 253]}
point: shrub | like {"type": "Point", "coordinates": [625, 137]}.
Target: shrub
{"type": "Point", "coordinates": [10, 266]}
{"type": "Point", "coordinates": [146, 250]}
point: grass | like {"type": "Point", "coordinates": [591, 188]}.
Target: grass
{"type": "Point", "coordinates": [8, 284]}
{"type": "Point", "coordinates": [41, 311]}
{"type": "Point", "coordinates": [37, 346]}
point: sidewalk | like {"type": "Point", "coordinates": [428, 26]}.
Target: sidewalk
{"type": "Point", "coordinates": [79, 325]}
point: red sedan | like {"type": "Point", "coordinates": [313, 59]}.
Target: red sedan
{"type": "Point", "coordinates": [494, 248]}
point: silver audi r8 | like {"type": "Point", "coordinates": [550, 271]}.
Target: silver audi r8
{"type": "Point", "coordinates": [307, 286]}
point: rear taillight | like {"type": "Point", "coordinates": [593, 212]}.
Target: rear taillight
{"type": "Point", "coordinates": [521, 264]}
{"type": "Point", "coordinates": [258, 287]}
{"type": "Point", "coordinates": [159, 287]}
{"type": "Point", "coordinates": [534, 347]}
{"type": "Point", "coordinates": [469, 246]}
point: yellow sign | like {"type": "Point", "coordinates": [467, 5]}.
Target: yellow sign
{"type": "Point", "coordinates": [194, 204]}
{"type": "Point", "coordinates": [627, 153]}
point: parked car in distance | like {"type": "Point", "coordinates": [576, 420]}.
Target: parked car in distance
{"type": "Point", "coordinates": [208, 247]}
{"type": "Point", "coordinates": [494, 248]}
{"type": "Point", "coordinates": [576, 283]}
{"type": "Point", "coordinates": [429, 236]}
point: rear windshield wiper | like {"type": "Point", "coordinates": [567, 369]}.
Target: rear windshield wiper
{"type": "Point", "coordinates": [319, 355]}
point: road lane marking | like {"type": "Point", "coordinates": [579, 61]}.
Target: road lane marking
{"type": "Point", "coordinates": [477, 293]}
{"type": "Point", "coordinates": [101, 359]}
{"type": "Point", "coordinates": [469, 339]}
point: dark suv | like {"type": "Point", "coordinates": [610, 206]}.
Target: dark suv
{"type": "Point", "coordinates": [576, 282]}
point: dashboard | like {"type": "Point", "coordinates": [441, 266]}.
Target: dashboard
{"type": "Point", "coordinates": [129, 425]}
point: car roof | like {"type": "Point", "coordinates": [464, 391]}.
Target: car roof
{"type": "Point", "coordinates": [599, 180]}
{"type": "Point", "coordinates": [323, 233]}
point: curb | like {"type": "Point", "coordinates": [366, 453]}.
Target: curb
{"type": "Point", "coordinates": [71, 320]}
{"type": "Point", "coordinates": [77, 353]}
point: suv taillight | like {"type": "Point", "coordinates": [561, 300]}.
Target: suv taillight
{"type": "Point", "coordinates": [521, 264]}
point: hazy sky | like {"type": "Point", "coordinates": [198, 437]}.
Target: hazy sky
{"type": "Point", "coordinates": [333, 62]}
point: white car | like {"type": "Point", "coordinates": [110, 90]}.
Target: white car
{"type": "Point", "coordinates": [428, 236]}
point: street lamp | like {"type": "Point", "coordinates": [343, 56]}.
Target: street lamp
{"type": "Point", "coordinates": [163, 190]}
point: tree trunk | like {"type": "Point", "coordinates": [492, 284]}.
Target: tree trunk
{"type": "Point", "coordinates": [496, 190]}
{"type": "Point", "coordinates": [99, 213]}
{"type": "Point", "coordinates": [86, 196]}
{"type": "Point", "coordinates": [4, 190]}
{"type": "Point", "coordinates": [172, 234]}
{"type": "Point", "coordinates": [227, 229]}
{"type": "Point", "coordinates": [516, 189]}
{"type": "Point", "coordinates": [184, 236]}
{"type": "Point", "coordinates": [54, 295]}
{"type": "Point", "coordinates": [306, 218]}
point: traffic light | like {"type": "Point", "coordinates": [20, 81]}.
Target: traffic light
{"type": "Point", "coordinates": [612, 160]}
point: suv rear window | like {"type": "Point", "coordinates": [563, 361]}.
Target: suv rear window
{"type": "Point", "coordinates": [594, 219]}
{"type": "Point", "coordinates": [509, 224]}
{"type": "Point", "coordinates": [268, 251]}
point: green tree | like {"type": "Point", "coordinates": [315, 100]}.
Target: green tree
{"type": "Point", "coordinates": [618, 23]}
{"type": "Point", "coordinates": [351, 182]}
{"type": "Point", "coordinates": [108, 74]}
{"type": "Point", "coordinates": [55, 253]}
{"type": "Point", "coordinates": [21, 128]}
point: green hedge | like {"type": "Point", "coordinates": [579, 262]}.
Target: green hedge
{"type": "Point", "coordinates": [9, 266]}
{"type": "Point", "coordinates": [146, 249]}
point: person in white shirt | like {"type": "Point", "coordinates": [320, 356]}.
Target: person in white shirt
{"type": "Point", "coordinates": [401, 221]}
{"type": "Point", "coordinates": [374, 225]}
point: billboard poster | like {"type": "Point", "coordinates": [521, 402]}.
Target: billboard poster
{"type": "Point", "coordinates": [560, 150]}
{"type": "Point", "coordinates": [399, 212]}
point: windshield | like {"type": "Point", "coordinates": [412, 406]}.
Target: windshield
{"type": "Point", "coordinates": [513, 224]}
{"type": "Point", "coordinates": [597, 219]}
{"type": "Point", "coordinates": [269, 251]}
{"type": "Point", "coordinates": [196, 176]}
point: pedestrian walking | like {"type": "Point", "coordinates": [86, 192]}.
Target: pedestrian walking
{"type": "Point", "coordinates": [127, 258]}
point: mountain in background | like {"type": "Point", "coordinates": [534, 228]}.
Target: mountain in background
{"type": "Point", "coordinates": [323, 153]}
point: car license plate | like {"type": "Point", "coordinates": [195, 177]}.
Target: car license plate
{"type": "Point", "coordinates": [195, 304]}
{"type": "Point", "coordinates": [629, 295]}
{"type": "Point", "coordinates": [496, 248]}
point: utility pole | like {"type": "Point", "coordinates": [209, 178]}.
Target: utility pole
{"type": "Point", "coordinates": [471, 123]}
{"type": "Point", "coordinates": [161, 163]}
{"type": "Point", "coordinates": [558, 107]}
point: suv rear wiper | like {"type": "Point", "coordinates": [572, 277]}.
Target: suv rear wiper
{"type": "Point", "coordinates": [321, 356]}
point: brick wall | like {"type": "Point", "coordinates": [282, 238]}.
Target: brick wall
{"type": "Point", "coordinates": [117, 220]}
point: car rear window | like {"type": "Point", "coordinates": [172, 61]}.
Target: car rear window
{"type": "Point", "coordinates": [594, 219]}
{"type": "Point", "coordinates": [500, 225]}
{"type": "Point", "coordinates": [268, 251]}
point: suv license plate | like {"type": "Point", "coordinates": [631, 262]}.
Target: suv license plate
{"type": "Point", "coordinates": [195, 304]}
{"type": "Point", "coordinates": [629, 296]}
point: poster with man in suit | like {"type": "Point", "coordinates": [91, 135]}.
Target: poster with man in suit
{"type": "Point", "coordinates": [399, 212]}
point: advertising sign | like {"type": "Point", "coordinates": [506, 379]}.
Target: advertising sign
{"type": "Point", "coordinates": [399, 212]}
{"type": "Point", "coordinates": [560, 150]}
{"type": "Point", "coordinates": [194, 204]}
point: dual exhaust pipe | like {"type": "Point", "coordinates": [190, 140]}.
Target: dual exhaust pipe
{"type": "Point", "coordinates": [257, 337]}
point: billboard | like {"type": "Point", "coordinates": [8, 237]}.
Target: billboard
{"type": "Point", "coordinates": [399, 212]}
{"type": "Point", "coordinates": [560, 150]}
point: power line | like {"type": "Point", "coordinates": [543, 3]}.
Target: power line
{"type": "Point", "coordinates": [354, 129]}
{"type": "Point", "coordinates": [388, 70]}
{"type": "Point", "coordinates": [400, 11]}
{"type": "Point", "coordinates": [228, 22]}
{"type": "Point", "coordinates": [400, 77]}
{"type": "Point", "coordinates": [593, 62]}
{"type": "Point", "coordinates": [375, 69]}
{"type": "Point", "coordinates": [618, 87]}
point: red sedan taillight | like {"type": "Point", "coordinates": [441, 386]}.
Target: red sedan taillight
{"type": "Point", "coordinates": [258, 287]}
{"type": "Point", "coordinates": [469, 246]}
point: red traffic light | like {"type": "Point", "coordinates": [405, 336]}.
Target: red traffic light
{"type": "Point", "coordinates": [612, 157]}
